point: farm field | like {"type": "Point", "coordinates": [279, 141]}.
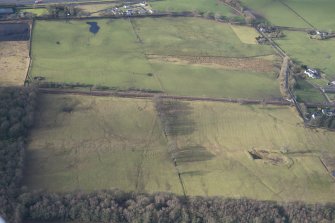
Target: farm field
{"type": "Point", "coordinates": [91, 143]}
{"type": "Point", "coordinates": [95, 10]}
{"type": "Point", "coordinates": [208, 141]}
{"type": "Point", "coordinates": [120, 55]}
{"type": "Point", "coordinates": [276, 12]}
{"type": "Point", "coordinates": [175, 36]}
{"type": "Point", "coordinates": [318, 13]}
{"type": "Point", "coordinates": [229, 131]}
{"type": "Point", "coordinates": [296, 13]}
{"type": "Point", "coordinates": [246, 34]}
{"type": "Point", "coordinates": [307, 93]}
{"type": "Point", "coordinates": [203, 6]}
{"type": "Point", "coordinates": [313, 53]}
{"type": "Point", "coordinates": [14, 62]}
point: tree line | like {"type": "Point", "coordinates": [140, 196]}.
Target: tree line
{"type": "Point", "coordinates": [16, 117]}
{"type": "Point", "coordinates": [118, 206]}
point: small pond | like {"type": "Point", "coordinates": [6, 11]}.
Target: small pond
{"type": "Point", "coordinates": [94, 27]}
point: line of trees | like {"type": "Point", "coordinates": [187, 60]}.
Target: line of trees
{"type": "Point", "coordinates": [118, 206]}
{"type": "Point", "coordinates": [16, 116]}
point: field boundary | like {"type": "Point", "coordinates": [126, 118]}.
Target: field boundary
{"type": "Point", "coordinates": [137, 94]}
{"type": "Point", "coordinates": [30, 56]}
{"type": "Point", "coordinates": [295, 12]}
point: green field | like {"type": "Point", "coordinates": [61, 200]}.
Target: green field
{"type": "Point", "coordinates": [228, 131]}
{"type": "Point", "coordinates": [305, 92]}
{"type": "Point", "coordinates": [191, 36]}
{"type": "Point", "coordinates": [276, 12]}
{"type": "Point", "coordinates": [319, 13]}
{"type": "Point", "coordinates": [295, 13]}
{"type": "Point", "coordinates": [313, 53]}
{"type": "Point", "coordinates": [105, 143]}
{"type": "Point", "coordinates": [102, 143]}
{"type": "Point", "coordinates": [117, 57]}
{"type": "Point", "coordinates": [203, 6]}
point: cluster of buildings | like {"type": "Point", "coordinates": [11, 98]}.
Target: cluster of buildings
{"type": "Point", "coordinates": [130, 10]}
{"type": "Point", "coordinates": [324, 112]}
{"type": "Point", "coordinates": [316, 34]}
{"type": "Point", "coordinates": [312, 73]}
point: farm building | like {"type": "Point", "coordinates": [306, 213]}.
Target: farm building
{"type": "Point", "coordinates": [329, 89]}
{"type": "Point", "coordinates": [315, 34]}
{"type": "Point", "coordinates": [312, 73]}
{"type": "Point", "coordinates": [328, 112]}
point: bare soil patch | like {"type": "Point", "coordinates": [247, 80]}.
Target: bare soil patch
{"type": "Point", "coordinates": [270, 157]}
{"type": "Point", "coordinates": [14, 62]}
{"type": "Point", "coordinates": [255, 64]}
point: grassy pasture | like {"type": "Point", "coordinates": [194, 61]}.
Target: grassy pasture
{"type": "Point", "coordinates": [101, 143]}
{"type": "Point", "coordinates": [276, 12]}
{"type": "Point", "coordinates": [307, 93]}
{"type": "Point", "coordinates": [194, 36]}
{"type": "Point", "coordinates": [203, 6]}
{"type": "Point", "coordinates": [111, 142]}
{"type": "Point", "coordinates": [117, 56]}
{"type": "Point", "coordinates": [14, 62]}
{"type": "Point", "coordinates": [246, 34]}
{"type": "Point", "coordinates": [208, 82]}
{"type": "Point", "coordinates": [228, 131]}
{"type": "Point", "coordinates": [319, 13]}
{"type": "Point", "coordinates": [111, 57]}
{"type": "Point", "coordinates": [37, 12]}
{"type": "Point", "coordinates": [96, 9]}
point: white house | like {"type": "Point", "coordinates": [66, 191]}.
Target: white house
{"type": "Point", "coordinates": [312, 73]}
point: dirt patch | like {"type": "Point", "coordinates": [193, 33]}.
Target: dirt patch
{"type": "Point", "coordinates": [14, 62]}
{"type": "Point", "coordinates": [270, 157]}
{"type": "Point", "coordinates": [255, 64]}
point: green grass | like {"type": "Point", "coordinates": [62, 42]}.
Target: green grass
{"type": "Point", "coordinates": [246, 34]}
{"type": "Point", "coordinates": [206, 82]}
{"type": "Point", "coordinates": [194, 36]}
{"type": "Point", "coordinates": [111, 57]}
{"type": "Point", "coordinates": [37, 12]}
{"type": "Point", "coordinates": [314, 53]}
{"type": "Point", "coordinates": [203, 6]}
{"type": "Point", "coordinates": [103, 143]}
{"type": "Point", "coordinates": [318, 13]}
{"type": "Point", "coordinates": [228, 131]}
{"type": "Point", "coordinates": [307, 93]}
{"type": "Point", "coordinates": [116, 56]}
{"type": "Point", "coordinates": [276, 12]}
{"type": "Point", "coordinates": [119, 143]}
